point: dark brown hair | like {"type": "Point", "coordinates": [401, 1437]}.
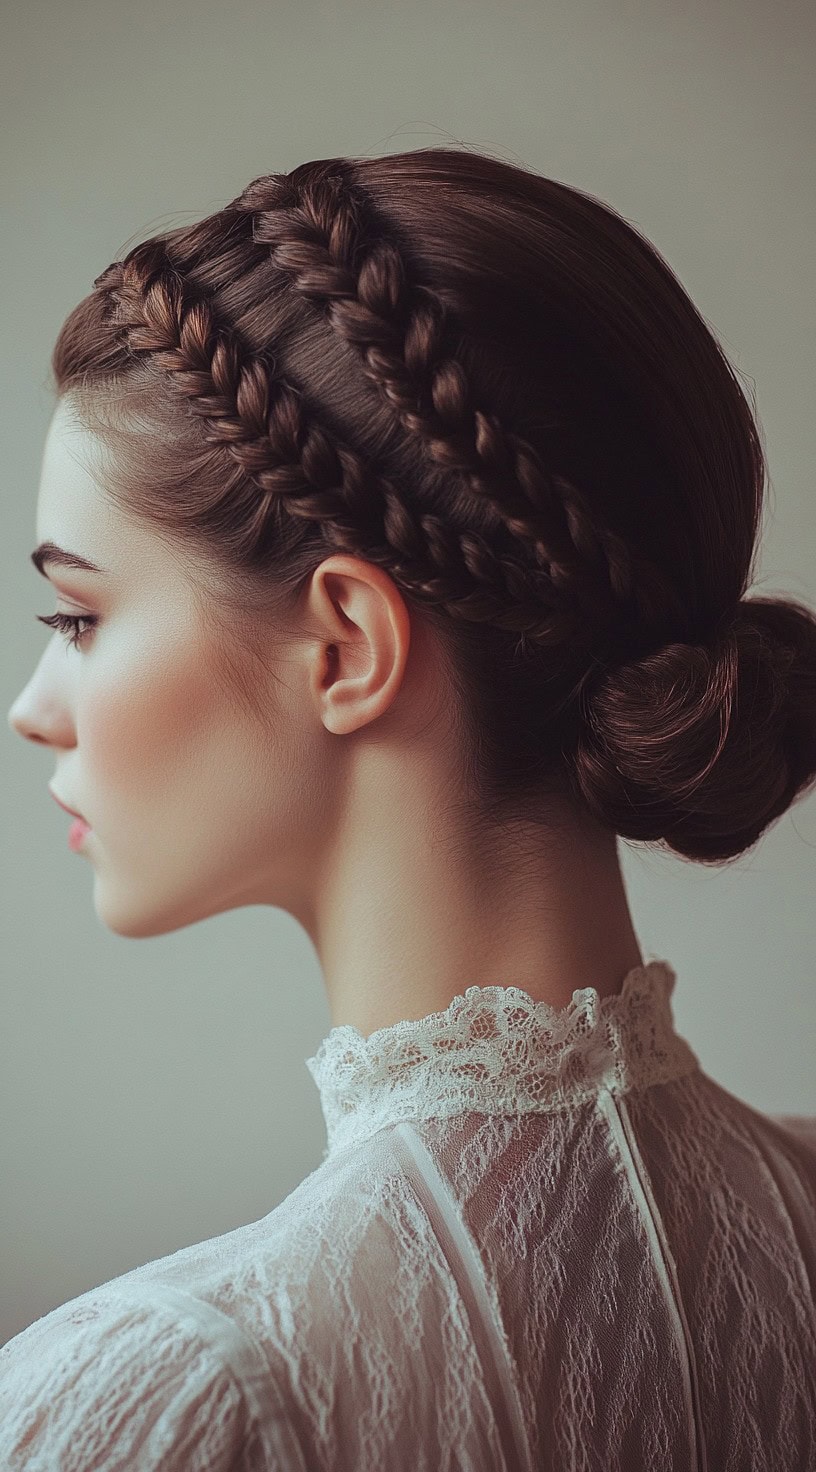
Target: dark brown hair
{"type": "Point", "coordinates": [491, 385]}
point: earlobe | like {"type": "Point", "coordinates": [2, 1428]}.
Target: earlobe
{"type": "Point", "coordinates": [360, 681]}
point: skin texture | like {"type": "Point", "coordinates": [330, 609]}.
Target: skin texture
{"type": "Point", "coordinates": [339, 806]}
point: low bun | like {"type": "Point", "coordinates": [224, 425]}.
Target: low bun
{"type": "Point", "coordinates": [702, 746]}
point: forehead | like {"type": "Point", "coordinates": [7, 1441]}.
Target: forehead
{"type": "Point", "coordinates": [70, 500]}
{"type": "Point", "coordinates": [75, 511]}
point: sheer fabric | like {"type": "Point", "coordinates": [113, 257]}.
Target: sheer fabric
{"type": "Point", "coordinates": [537, 1238]}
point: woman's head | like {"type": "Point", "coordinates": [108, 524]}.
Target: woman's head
{"type": "Point", "coordinates": [468, 401]}
{"type": "Point", "coordinates": [211, 775]}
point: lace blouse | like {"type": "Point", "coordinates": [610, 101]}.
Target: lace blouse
{"type": "Point", "coordinates": [537, 1238]}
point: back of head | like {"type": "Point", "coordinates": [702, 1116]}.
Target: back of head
{"type": "Point", "coordinates": [491, 385]}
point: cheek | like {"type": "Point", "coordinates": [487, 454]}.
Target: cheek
{"type": "Point", "coordinates": [146, 720]}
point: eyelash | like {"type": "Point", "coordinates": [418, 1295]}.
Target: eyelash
{"type": "Point", "coordinates": [65, 622]}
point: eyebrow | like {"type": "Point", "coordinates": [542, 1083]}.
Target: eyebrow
{"type": "Point", "coordinates": [50, 552]}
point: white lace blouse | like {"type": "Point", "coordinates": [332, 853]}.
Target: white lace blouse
{"type": "Point", "coordinates": [537, 1239]}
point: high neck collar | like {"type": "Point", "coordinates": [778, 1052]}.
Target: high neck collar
{"type": "Point", "coordinates": [495, 1050]}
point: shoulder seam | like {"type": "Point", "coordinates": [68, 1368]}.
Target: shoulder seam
{"type": "Point", "coordinates": [241, 1354]}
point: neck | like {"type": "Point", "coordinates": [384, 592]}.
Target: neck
{"type": "Point", "coordinates": [408, 915]}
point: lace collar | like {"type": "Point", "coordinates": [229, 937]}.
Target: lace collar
{"type": "Point", "coordinates": [496, 1050]}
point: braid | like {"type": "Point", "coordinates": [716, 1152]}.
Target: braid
{"type": "Point", "coordinates": [400, 330]}
{"type": "Point", "coordinates": [262, 423]}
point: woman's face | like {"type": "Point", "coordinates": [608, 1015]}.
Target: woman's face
{"type": "Point", "coordinates": [195, 807]}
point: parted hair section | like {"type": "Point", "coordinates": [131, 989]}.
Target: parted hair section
{"type": "Point", "coordinates": [491, 385]}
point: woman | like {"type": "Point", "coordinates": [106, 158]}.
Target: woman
{"type": "Point", "coordinates": [421, 504]}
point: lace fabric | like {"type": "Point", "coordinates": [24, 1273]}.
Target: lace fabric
{"type": "Point", "coordinates": [496, 1050]}
{"type": "Point", "coordinates": [570, 1249]}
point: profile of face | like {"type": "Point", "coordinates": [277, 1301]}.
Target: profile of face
{"type": "Point", "coordinates": [195, 806]}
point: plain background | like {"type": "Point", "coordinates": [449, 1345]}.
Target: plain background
{"type": "Point", "coordinates": [155, 1093]}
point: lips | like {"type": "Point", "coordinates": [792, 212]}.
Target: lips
{"type": "Point", "coordinates": [72, 811]}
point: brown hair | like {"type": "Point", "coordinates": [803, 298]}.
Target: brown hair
{"type": "Point", "coordinates": [491, 385]}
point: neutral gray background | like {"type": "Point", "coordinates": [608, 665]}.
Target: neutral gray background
{"type": "Point", "coordinates": [154, 1093]}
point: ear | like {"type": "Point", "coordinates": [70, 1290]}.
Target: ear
{"type": "Point", "coordinates": [364, 638]}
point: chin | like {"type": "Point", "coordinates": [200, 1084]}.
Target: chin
{"type": "Point", "coordinates": [122, 915]}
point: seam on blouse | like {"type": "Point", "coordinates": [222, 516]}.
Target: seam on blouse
{"type": "Point", "coordinates": [785, 1185]}
{"type": "Point", "coordinates": [433, 1192]}
{"type": "Point", "coordinates": [617, 1114]}
{"type": "Point", "coordinates": [244, 1358]}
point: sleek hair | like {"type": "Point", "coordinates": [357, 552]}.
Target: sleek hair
{"type": "Point", "coordinates": [491, 385]}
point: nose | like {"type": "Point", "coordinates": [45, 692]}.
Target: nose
{"type": "Point", "coordinates": [42, 712]}
{"type": "Point", "coordinates": [15, 716]}
{"type": "Point", "coordinates": [39, 714]}
{"type": "Point", "coordinates": [21, 723]}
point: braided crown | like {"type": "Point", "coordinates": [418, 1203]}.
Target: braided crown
{"type": "Point", "coordinates": [566, 579]}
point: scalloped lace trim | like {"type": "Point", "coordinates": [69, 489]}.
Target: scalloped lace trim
{"type": "Point", "coordinates": [495, 1049]}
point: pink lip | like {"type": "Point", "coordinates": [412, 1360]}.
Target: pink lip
{"type": "Point", "coordinates": [63, 805]}
{"type": "Point", "coordinates": [78, 832]}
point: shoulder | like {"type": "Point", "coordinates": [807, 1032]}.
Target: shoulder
{"type": "Point", "coordinates": [798, 1132]}
{"type": "Point", "coordinates": [326, 1217]}
{"type": "Point", "coordinates": [116, 1378]}
{"type": "Point", "coordinates": [801, 1126]}
{"type": "Point", "coordinates": [196, 1357]}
